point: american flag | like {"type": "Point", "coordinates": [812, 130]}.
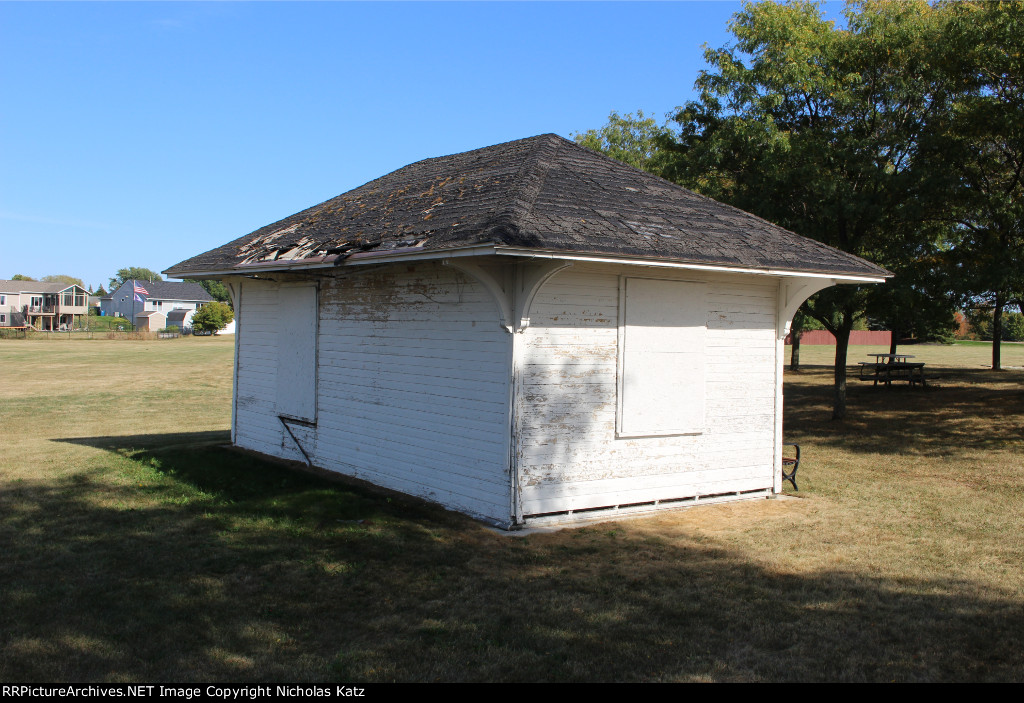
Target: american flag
{"type": "Point", "coordinates": [140, 289]}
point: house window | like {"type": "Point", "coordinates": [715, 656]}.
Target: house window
{"type": "Point", "coordinates": [3, 300]}
{"type": "Point", "coordinates": [3, 319]}
{"type": "Point", "coordinates": [662, 328]}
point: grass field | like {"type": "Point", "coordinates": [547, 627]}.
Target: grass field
{"type": "Point", "coordinates": [133, 547]}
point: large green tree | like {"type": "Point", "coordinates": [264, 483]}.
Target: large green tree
{"type": "Point", "coordinates": [636, 140]}
{"type": "Point", "coordinates": [133, 273]}
{"type": "Point", "coordinates": [978, 140]}
{"type": "Point", "coordinates": [816, 128]}
{"type": "Point", "coordinates": [217, 290]}
{"type": "Point", "coordinates": [62, 278]}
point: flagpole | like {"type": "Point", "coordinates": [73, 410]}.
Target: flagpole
{"type": "Point", "coordinates": [133, 305]}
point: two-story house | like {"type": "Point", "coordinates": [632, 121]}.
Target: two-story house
{"type": "Point", "coordinates": [45, 306]}
{"type": "Point", "coordinates": [134, 297]}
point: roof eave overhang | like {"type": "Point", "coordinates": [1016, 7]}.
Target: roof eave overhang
{"type": "Point", "coordinates": [690, 265]}
{"type": "Point", "coordinates": [418, 254]}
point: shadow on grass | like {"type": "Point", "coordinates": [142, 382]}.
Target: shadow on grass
{"type": "Point", "coordinates": [197, 563]}
{"type": "Point", "coordinates": [241, 482]}
{"type": "Point", "coordinates": [960, 409]}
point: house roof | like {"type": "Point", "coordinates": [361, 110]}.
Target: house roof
{"type": "Point", "coordinates": [149, 313]}
{"type": "Point", "coordinates": [172, 290]}
{"type": "Point", "coordinates": [35, 287]}
{"type": "Point", "coordinates": [541, 193]}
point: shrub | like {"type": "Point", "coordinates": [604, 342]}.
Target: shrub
{"type": "Point", "coordinates": [212, 317]}
{"type": "Point", "coordinates": [1013, 327]}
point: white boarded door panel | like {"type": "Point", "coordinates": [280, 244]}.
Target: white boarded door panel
{"type": "Point", "coordinates": [296, 356]}
{"type": "Point", "coordinates": [661, 357]}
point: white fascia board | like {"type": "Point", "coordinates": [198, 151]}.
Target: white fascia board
{"type": "Point", "coordinates": [383, 257]}
{"type": "Point", "coordinates": [537, 254]}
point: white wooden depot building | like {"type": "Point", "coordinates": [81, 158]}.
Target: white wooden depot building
{"type": "Point", "coordinates": [529, 332]}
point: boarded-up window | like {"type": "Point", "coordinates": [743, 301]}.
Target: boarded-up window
{"type": "Point", "coordinates": [662, 326]}
{"type": "Point", "coordinates": [296, 352]}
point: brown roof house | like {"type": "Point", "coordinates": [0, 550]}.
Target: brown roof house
{"type": "Point", "coordinates": [529, 333]}
{"type": "Point", "coordinates": [45, 306]}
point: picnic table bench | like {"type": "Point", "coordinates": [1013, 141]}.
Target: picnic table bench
{"type": "Point", "coordinates": [892, 367]}
{"type": "Point", "coordinates": [790, 464]}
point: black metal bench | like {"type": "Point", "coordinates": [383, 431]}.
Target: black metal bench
{"type": "Point", "coordinates": [790, 465]}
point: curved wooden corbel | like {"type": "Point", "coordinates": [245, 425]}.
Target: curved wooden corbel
{"type": "Point", "coordinates": [233, 289]}
{"type": "Point", "coordinates": [513, 285]}
{"type": "Point", "coordinates": [532, 276]}
{"type": "Point", "coordinates": [496, 281]}
{"type": "Point", "coordinates": [792, 294]}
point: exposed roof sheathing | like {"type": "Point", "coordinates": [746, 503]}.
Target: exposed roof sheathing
{"type": "Point", "coordinates": [544, 193]}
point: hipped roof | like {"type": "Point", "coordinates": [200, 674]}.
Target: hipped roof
{"type": "Point", "coordinates": [36, 287]}
{"type": "Point", "coordinates": [541, 193]}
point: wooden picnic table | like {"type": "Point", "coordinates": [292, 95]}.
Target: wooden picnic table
{"type": "Point", "coordinates": [892, 358]}
{"type": "Point", "coordinates": [892, 367]}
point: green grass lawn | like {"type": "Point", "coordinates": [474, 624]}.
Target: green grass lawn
{"type": "Point", "coordinates": [135, 547]}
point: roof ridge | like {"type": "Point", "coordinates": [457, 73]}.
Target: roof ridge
{"type": "Point", "coordinates": [526, 187]}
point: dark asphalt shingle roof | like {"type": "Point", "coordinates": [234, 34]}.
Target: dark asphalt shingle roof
{"type": "Point", "coordinates": [543, 192]}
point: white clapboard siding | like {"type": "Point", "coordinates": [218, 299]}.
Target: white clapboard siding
{"type": "Point", "coordinates": [568, 454]}
{"type": "Point", "coordinates": [414, 373]}
{"type": "Point", "coordinates": [257, 426]}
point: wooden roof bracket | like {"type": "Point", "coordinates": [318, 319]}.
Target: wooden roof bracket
{"type": "Point", "coordinates": [513, 286]}
{"type": "Point", "coordinates": [234, 288]}
{"type": "Point", "coordinates": [792, 294]}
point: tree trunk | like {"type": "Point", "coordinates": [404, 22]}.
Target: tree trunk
{"type": "Point", "coordinates": [893, 341]}
{"type": "Point", "coordinates": [794, 357]}
{"type": "Point", "coordinates": [997, 331]}
{"type": "Point", "coordinates": [842, 336]}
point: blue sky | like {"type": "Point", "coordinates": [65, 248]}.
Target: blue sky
{"type": "Point", "coordinates": [140, 134]}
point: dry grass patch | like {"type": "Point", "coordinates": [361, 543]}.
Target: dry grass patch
{"type": "Point", "coordinates": [136, 548]}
